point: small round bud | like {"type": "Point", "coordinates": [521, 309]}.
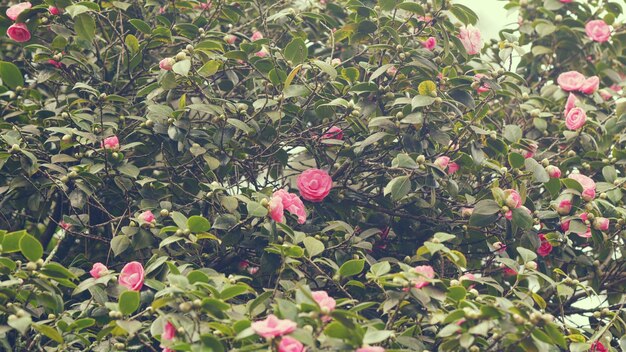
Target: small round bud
{"type": "Point", "coordinates": [421, 159]}
{"type": "Point", "coordinates": [164, 213]}
{"type": "Point", "coordinates": [558, 18]}
{"type": "Point", "coordinates": [31, 266]}
{"type": "Point", "coordinates": [185, 307]}
{"type": "Point", "coordinates": [189, 47]}
{"type": "Point", "coordinates": [180, 56]}
{"type": "Point", "coordinates": [531, 265]}
{"type": "Point", "coordinates": [571, 153]}
{"type": "Point", "coordinates": [197, 303]}
{"type": "Point", "coordinates": [525, 96]}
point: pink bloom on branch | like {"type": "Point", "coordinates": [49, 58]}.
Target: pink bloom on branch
{"type": "Point", "coordinates": [430, 43]}
{"type": "Point", "coordinates": [98, 270]}
{"type": "Point", "coordinates": [370, 349]}
{"type": "Point", "coordinates": [566, 1]}
{"type": "Point", "coordinates": [289, 344]}
{"type": "Point", "coordinates": [169, 332]}
{"type": "Point", "coordinates": [262, 53]}
{"type": "Point", "coordinates": [570, 103]}
{"type": "Point", "coordinates": [112, 143]}
{"type": "Point", "coordinates": [335, 62]}
{"type": "Point", "coordinates": [570, 80]}
{"type": "Point", "coordinates": [276, 210]}
{"type": "Point", "coordinates": [453, 167]}
{"type": "Point", "coordinates": [545, 248]}
{"type": "Point", "coordinates": [334, 132]}
{"type": "Point", "coordinates": [19, 32]}
{"type": "Point", "coordinates": [606, 95]}
{"type": "Point", "coordinates": [54, 11]}
{"type": "Point", "coordinates": [512, 198]}
{"type": "Point", "coordinates": [601, 224]}
{"type": "Point", "coordinates": [483, 87]}
{"type": "Point", "coordinates": [530, 151]}
{"type": "Point", "coordinates": [565, 225]}
{"type": "Point", "coordinates": [575, 119]}
{"type": "Point", "coordinates": [14, 11]}
{"type": "Point", "coordinates": [442, 162]}
{"type": "Point", "coordinates": [252, 270]}
{"type": "Point", "coordinates": [391, 71]}
{"type": "Point", "coordinates": [598, 31]}
{"type": "Point", "coordinates": [553, 171]}
{"type": "Point", "coordinates": [564, 207]}
{"type": "Point", "coordinates": [590, 85]}
{"type": "Point", "coordinates": [426, 272]}
{"type": "Point", "coordinates": [471, 39]}
{"type": "Point", "coordinates": [589, 186]}
{"type": "Point", "coordinates": [508, 215]}
{"type": "Point", "coordinates": [499, 247]}
{"type": "Point", "coordinates": [282, 200]}
{"type": "Point", "coordinates": [272, 327]}
{"type": "Point", "coordinates": [467, 276]}
{"type": "Point", "coordinates": [314, 184]}
{"type": "Point", "coordinates": [146, 216]}
{"type": "Point", "coordinates": [55, 63]}
{"type": "Point", "coordinates": [597, 346]}
{"type": "Point", "coordinates": [326, 303]}
{"type": "Point", "coordinates": [132, 276]}
{"type": "Point", "coordinates": [230, 39]}
{"type": "Point", "coordinates": [256, 36]}
{"type": "Point", "coordinates": [167, 64]}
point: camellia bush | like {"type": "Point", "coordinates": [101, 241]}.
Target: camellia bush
{"type": "Point", "coordinates": [319, 175]}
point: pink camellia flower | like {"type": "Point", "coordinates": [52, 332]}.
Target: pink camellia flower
{"type": "Point", "coordinates": [370, 349]}
{"type": "Point", "coordinates": [112, 143]}
{"type": "Point", "coordinates": [499, 247]}
{"type": "Point", "coordinates": [426, 272]}
{"type": "Point", "coordinates": [54, 11]}
{"type": "Point", "coordinates": [334, 132]}
{"type": "Point", "coordinates": [570, 103]}
{"type": "Point", "coordinates": [564, 207]}
{"type": "Point", "coordinates": [169, 332]}
{"type": "Point", "coordinates": [512, 198]}
{"type": "Point", "coordinates": [616, 88]}
{"type": "Point", "coordinates": [442, 162]}
{"type": "Point", "coordinates": [167, 64]}
{"type": "Point", "coordinates": [545, 248]}
{"type": "Point", "coordinates": [606, 95]}
{"type": "Point", "coordinates": [289, 344]}
{"type": "Point", "coordinates": [65, 226]}
{"type": "Point", "coordinates": [530, 151]}
{"type": "Point", "coordinates": [565, 225]}
{"type": "Point", "coordinates": [282, 200]}
{"type": "Point", "coordinates": [19, 32]}
{"type": "Point", "coordinates": [55, 63]}
{"type": "Point", "coordinates": [146, 216]}
{"type": "Point", "coordinates": [601, 224]}
{"type": "Point", "coordinates": [453, 167]}
{"type": "Point", "coordinates": [256, 36]}
{"type": "Point", "coordinates": [471, 39]}
{"type": "Point", "coordinates": [467, 276]}
{"type": "Point", "coordinates": [553, 171]}
{"type": "Point", "coordinates": [570, 81]}
{"type": "Point", "coordinates": [252, 270]}
{"type": "Point", "coordinates": [590, 85]}
{"type": "Point", "coordinates": [262, 53]}
{"type": "Point", "coordinates": [466, 212]}
{"type": "Point", "coordinates": [508, 215]}
{"type": "Point", "coordinates": [508, 271]}
{"type": "Point", "coordinates": [566, 1]}
{"type": "Point", "coordinates": [98, 270]}
{"type": "Point", "coordinates": [598, 31]}
{"type": "Point", "coordinates": [326, 303]}
{"type": "Point", "coordinates": [132, 276]}
{"type": "Point", "coordinates": [161, 10]}
{"type": "Point", "coordinates": [230, 39]}
{"type": "Point", "coordinates": [597, 346]}
{"type": "Point", "coordinates": [314, 184]}
{"type": "Point", "coordinates": [335, 62]}
{"type": "Point", "coordinates": [272, 327]}
{"type": "Point", "coordinates": [14, 11]}
{"type": "Point", "coordinates": [589, 186]}
{"type": "Point", "coordinates": [430, 43]}
{"type": "Point", "coordinates": [391, 71]}
{"type": "Point", "coordinates": [483, 87]}
{"type": "Point", "coordinates": [575, 119]}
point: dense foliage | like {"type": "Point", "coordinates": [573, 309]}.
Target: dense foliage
{"type": "Point", "coordinates": [329, 175]}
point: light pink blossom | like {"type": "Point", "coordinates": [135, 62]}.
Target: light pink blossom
{"type": "Point", "coordinates": [132, 276]}
{"type": "Point", "coordinates": [14, 11]}
{"type": "Point", "coordinates": [575, 119]}
{"type": "Point", "coordinates": [314, 184]}
{"type": "Point", "coordinates": [426, 273]}
{"type": "Point", "coordinates": [471, 39]}
{"type": "Point", "coordinates": [570, 81]}
{"type": "Point", "coordinates": [598, 31]}
{"type": "Point", "coordinates": [98, 270]}
{"type": "Point", "coordinates": [272, 327]}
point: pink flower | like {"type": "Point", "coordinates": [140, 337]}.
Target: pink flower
{"type": "Point", "coordinates": [471, 39]}
{"type": "Point", "coordinates": [282, 200]}
{"type": "Point", "coordinates": [589, 186]}
{"type": "Point", "coordinates": [570, 104]}
{"type": "Point", "coordinates": [499, 247]}
{"type": "Point", "coordinates": [564, 207]}
{"type": "Point", "coordinates": [314, 184]}
{"type": "Point", "coordinates": [370, 349]}
{"type": "Point", "coordinates": [442, 162]}
{"type": "Point", "coordinates": [606, 95]}
{"type": "Point", "coordinates": [169, 332]}
{"type": "Point", "coordinates": [590, 85]}
{"type": "Point", "coordinates": [512, 198]}
{"type": "Point", "coordinates": [55, 63]}
{"type": "Point", "coordinates": [54, 11]}
{"type": "Point", "coordinates": [19, 32]}
{"type": "Point", "coordinates": [230, 39]}
{"type": "Point", "coordinates": [566, 1]}
{"type": "Point", "coordinates": [391, 71]}
{"type": "Point", "coordinates": [467, 276]}
{"type": "Point", "coordinates": [553, 171]}
{"type": "Point", "coordinates": [272, 327]}
{"type": "Point", "coordinates": [575, 119]}
{"type": "Point", "coordinates": [453, 167]}
{"type": "Point", "coordinates": [601, 224]}
{"type": "Point", "coordinates": [508, 215]}
{"type": "Point", "coordinates": [262, 53]}
{"type": "Point", "coordinates": [289, 344]}
{"type": "Point", "coordinates": [430, 43]}
{"type": "Point", "coordinates": [112, 143]}
{"type": "Point", "coordinates": [616, 88]}
{"type": "Point", "coordinates": [14, 11]}
{"type": "Point", "coordinates": [65, 226]}
{"type": "Point", "coordinates": [483, 87]}
{"type": "Point", "coordinates": [335, 62]}
{"type": "Point", "coordinates": [167, 64]}
{"type": "Point", "coordinates": [545, 248]}
{"type": "Point", "coordinates": [132, 276]}
{"type": "Point", "coordinates": [146, 216]}
{"type": "Point", "coordinates": [508, 271]}
{"type": "Point", "coordinates": [598, 31]}
{"type": "Point", "coordinates": [252, 270]}
{"type": "Point", "coordinates": [98, 270]}
{"type": "Point", "coordinates": [426, 272]}
{"type": "Point", "coordinates": [334, 132]}
{"type": "Point", "coordinates": [565, 225]}
{"type": "Point", "coordinates": [530, 152]}
{"type": "Point", "coordinates": [570, 80]}
{"type": "Point", "coordinates": [326, 303]}
{"type": "Point", "coordinates": [597, 346]}
{"type": "Point", "coordinates": [256, 36]}
{"type": "Point", "coordinates": [161, 10]}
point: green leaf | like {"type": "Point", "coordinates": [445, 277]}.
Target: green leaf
{"type": "Point", "coordinates": [198, 224]}
{"type": "Point", "coordinates": [485, 213]}
{"type": "Point", "coordinates": [296, 51]}
{"type": "Point", "coordinates": [141, 25]}
{"type": "Point", "coordinates": [398, 187]}
{"type": "Point", "coordinates": [313, 246]}
{"type": "Point", "coordinates": [129, 302]}
{"type": "Point", "coordinates": [209, 68]}
{"type": "Point", "coordinates": [179, 219]}
{"type": "Point", "coordinates": [457, 293]}
{"type": "Point", "coordinates": [49, 332]}
{"type": "Point", "coordinates": [526, 254]}
{"type": "Point", "coordinates": [129, 170]}
{"type": "Point", "coordinates": [516, 160]}
{"type": "Point", "coordinates": [85, 26]}
{"type": "Point", "coordinates": [512, 133]}
{"type": "Point", "coordinates": [522, 219]}
{"type": "Point", "coordinates": [420, 100]}
{"type": "Point", "coordinates": [31, 248]}
{"type": "Point", "coordinates": [119, 244]}
{"type": "Point", "coordinates": [256, 209]}
{"type": "Point", "coordinates": [539, 172]}
{"type": "Point", "coordinates": [11, 75]}
{"type": "Point", "coordinates": [182, 67]}
{"type": "Point", "coordinates": [352, 267]}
